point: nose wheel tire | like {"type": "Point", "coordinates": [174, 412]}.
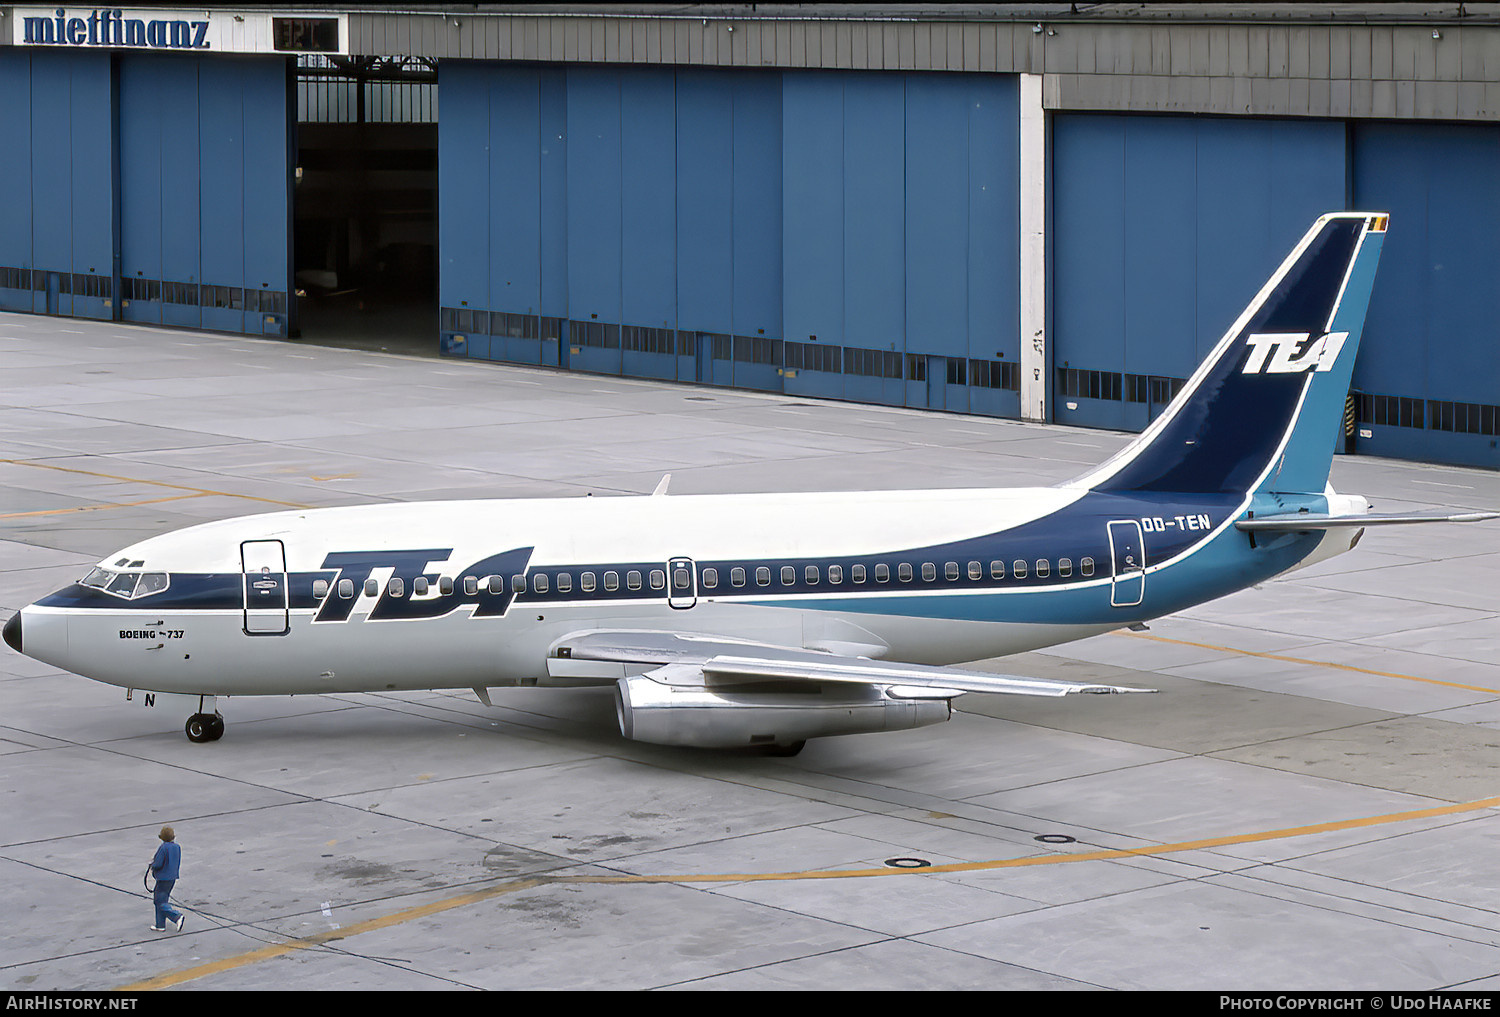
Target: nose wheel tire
{"type": "Point", "coordinates": [204, 727]}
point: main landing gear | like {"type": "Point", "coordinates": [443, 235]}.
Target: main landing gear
{"type": "Point", "coordinates": [205, 727]}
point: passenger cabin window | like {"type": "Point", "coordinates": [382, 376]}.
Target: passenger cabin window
{"type": "Point", "coordinates": [346, 589]}
{"type": "Point", "coordinates": [658, 579]}
{"type": "Point", "coordinates": [682, 578]}
{"type": "Point", "coordinates": [835, 573]}
{"type": "Point", "coordinates": [396, 587]}
{"type": "Point", "coordinates": [737, 577]}
{"type": "Point", "coordinates": [1018, 569]}
{"type": "Point", "coordinates": [710, 578]}
{"type": "Point", "coordinates": [763, 576]}
{"type": "Point", "coordinates": [788, 575]}
{"type": "Point", "coordinates": [540, 583]}
{"type": "Point", "coordinates": [419, 586]}
{"type": "Point", "coordinates": [445, 586]}
{"type": "Point", "coordinates": [372, 587]}
{"type": "Point", "coordinates": [997, 570]}
{"type": "Point", "coordinates": [471, 586]}
{"type": "Point", "coordinates": [1086, 566]}
{"type": "Point", "coordinates": [1043, 568]}
{"type": "Point", "coordinates": [495, 584]}
{"type": "Point", "coordinates": [1065, 567]}
{"type": "Point", "coordinates": [633, 579]}
{"type": "Point", "coordinates": [564, 582]}
{"type": "Point", "coordinates": [611, 581]}
{"type": "Point", "coordinates": [320, 588]}
{"type": "Point", "coordinates": [903, 571]}
{"type": "Point", "coordinates": [518, 584]}
{"type": "Point", "coordinates": [857, 573]}
{"type": "Point", "coordinates": [929, 571]}
{"type": "Point", "coordinates": [976, 570]}
{"type": "Point", "coordinates": [950, 570]}
{"type": "Point", "coordinates": [882, 573]}
{"type": "Point", "coordinates": [810, 574]}
{"type": "Point", "coordinates": [586, 582]}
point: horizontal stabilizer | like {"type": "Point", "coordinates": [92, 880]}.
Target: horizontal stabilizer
{"type": "Point", "coordinates": [1306, 521]}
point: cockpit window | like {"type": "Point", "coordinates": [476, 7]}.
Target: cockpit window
{"type": "Point", "coordinates": [151, 582]}
{"type": "Point", "coordinates": [127, 585]}
{"type": "Point", "coordinates": [123, 585]}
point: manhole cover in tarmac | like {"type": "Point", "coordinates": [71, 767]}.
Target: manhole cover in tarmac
{"type": "Point", "coordinates": [907, 863]}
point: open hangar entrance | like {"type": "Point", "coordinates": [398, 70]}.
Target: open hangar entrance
{"type": "Point", "coordinates": [364, 217]}
{"type": "Point", "coordinates": [156, 180]}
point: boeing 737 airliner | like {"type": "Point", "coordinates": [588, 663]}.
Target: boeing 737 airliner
{"type": "Point", "coordinates": [763, 620]}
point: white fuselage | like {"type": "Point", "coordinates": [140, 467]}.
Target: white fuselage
{"type": "Point", "coordinates": [985, 579]}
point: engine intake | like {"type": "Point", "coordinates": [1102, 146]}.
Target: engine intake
{"type": "Point", "coordinates": [765, 713]}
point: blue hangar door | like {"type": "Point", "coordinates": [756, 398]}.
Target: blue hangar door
{"type": "Point", "coordinates": [612, 220]}
{"type": "Point", "coordinates": [148, 187]}
{"type": "Point", "coordinates": [1163, 228]}
{"type": "Point", "coordinates": [205, 160]}
{"type": "Point", "coordinates": [56, 219]}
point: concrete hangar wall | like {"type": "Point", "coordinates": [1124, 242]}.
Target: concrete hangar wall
{"type": "Point", "coordinates": [1020, 210]}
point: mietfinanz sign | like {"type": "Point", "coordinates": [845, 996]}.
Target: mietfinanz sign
{"type": "Point", "coordinates": [161, 29]}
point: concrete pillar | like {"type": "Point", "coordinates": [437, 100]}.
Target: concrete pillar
{"type": "Point", "coordinates": [1033, 187]}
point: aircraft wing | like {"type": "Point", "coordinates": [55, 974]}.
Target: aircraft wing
{"type": "Point", "coordinates": [690, 660]}
{"type": "Point", "coordinates": [1305, 521]}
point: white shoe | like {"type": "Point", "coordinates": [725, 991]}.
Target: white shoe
{"type": "Point", "coordinates": [180, 920]}
{"type": "Point", "coordinates": [158, 928]}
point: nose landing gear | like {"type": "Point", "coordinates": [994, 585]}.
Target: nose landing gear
{"type": "Point", "coordinates": [205, 727]}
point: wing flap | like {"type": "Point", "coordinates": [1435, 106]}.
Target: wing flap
{"type": "Point", "coordinates": [646, 646]}
{"type": "Point", "coordinates": [879, 672]}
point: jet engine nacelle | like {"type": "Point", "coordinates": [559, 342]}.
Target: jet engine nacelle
{"type": "Point", "coordinates": [744, 715]}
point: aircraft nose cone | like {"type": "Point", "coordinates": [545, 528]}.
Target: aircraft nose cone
{"type": "Point", "coordinates": [12, 632]}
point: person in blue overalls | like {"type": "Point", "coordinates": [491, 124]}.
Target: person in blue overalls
{"type": "Point", "coordinates": [165, 867]}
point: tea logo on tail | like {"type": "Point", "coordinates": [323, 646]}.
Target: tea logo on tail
{"type": "Point", "coordinates": [1287, 355]}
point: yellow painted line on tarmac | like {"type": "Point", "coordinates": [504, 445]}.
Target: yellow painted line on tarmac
{"type": "Point", "coordinates": [491, 893]}
{"type": "Point", "coordinates": [1058, 859]}
{"type": "Point", "coordinates": [102, 505]}
{"type": "Point", "coordinates": [197, 491]}
{"type": "Point", "coordinates": [1314, 663]}
{"type": "Point", "coordinates": [333, 935]}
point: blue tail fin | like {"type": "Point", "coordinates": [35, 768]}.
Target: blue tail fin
{"type": "Point", "coordinates": [1263, 411]}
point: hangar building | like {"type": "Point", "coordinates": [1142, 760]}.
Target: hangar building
{"type": "Point", "coordinates": [1043, 211]}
